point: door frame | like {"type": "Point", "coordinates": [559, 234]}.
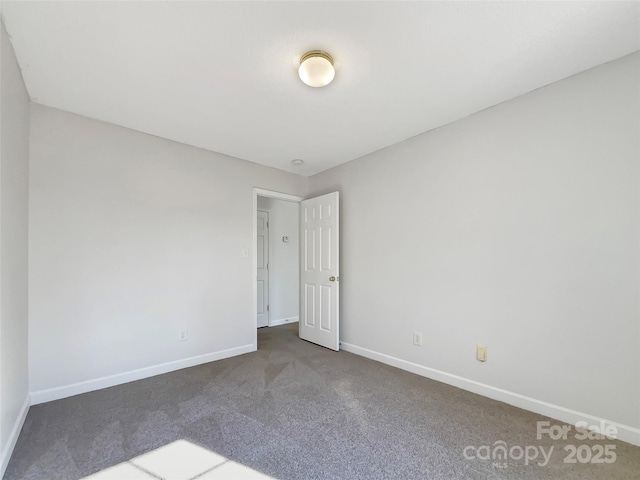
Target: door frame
{"type": "Point", "coordinates": [266, 268]}
{"type": "Point", "coordinates": [260, 192]}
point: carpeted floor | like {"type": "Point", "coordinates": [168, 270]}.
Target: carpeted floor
{"type": "Point", "coordinates": [293, 410]}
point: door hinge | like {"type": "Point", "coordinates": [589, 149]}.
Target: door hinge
{"type": "Point", "coordinates": [267, 266]}
{"type": "Point", "coordinates": [267, 308]}
{"type": "Point", "coordinates": [267, 224]}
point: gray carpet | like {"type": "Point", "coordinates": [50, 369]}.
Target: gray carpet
{"type": "Point", "coordinates": [293, 410]}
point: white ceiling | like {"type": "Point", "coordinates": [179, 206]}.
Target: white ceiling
{"type": "Point", "coordinates": [223, 75]}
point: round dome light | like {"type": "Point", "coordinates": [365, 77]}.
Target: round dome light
{"type": "Point", "coordinates": [316, 68]}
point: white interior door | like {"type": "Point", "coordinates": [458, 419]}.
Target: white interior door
{"type": "Point", "coordinates": [319, 271]}
{"type": "Point", "coordinates": [263, 268]}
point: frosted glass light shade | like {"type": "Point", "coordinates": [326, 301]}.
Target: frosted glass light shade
{"type": "Point", "coordinates": [316, 68]}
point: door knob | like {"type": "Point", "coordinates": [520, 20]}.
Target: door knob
{"type": "Point", "coordinates": [332, 279]}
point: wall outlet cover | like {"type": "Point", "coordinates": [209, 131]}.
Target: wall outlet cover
{"type": "Point", "coordinates": [182, 335]}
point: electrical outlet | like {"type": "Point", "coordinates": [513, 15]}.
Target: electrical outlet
{"type": "Point", "coordinates": [417, 338]}
{"type": "Point", "coordinates": [481, 353]}
{"type": "Point", "coordinates": [182, 335]}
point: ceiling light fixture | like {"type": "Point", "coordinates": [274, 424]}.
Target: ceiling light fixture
{"type": "Point", "coordinates": [297, 162]}
{"type": "Point", "coordinates": [316, 68]}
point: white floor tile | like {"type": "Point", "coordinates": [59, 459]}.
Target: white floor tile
{"type": "Point", "coordinates": [122, 471]}
{"type": "Point", "coordinates": [234, 471]}
{"type": "Point", "coordinates": [180, 460]}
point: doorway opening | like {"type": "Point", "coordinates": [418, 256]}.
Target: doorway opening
{"type": "Point", "coordinates": [313, 248]}
{"type": "Point", "coordinates": [276, 259]}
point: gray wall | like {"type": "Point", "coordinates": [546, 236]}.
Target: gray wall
{"type": "Point", "coordinates": [132, 238]}
{"type": "Point", "coordinates": [516, 228]}
{"type": "Point", "coordinates": [14, 195]}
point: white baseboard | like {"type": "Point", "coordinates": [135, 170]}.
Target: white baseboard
{"type": "Point", "coordinates": [626, 433]}
{"type": "Point", "coordinates": [282, 321]}
{"type": "Point", "coordinates": [57, 393]}
{"type": "Point", "coordinates": [5, 455]}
